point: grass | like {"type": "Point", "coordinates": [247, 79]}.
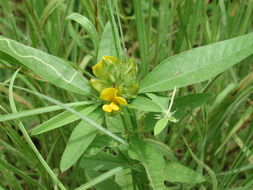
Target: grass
{"type": "Point", "coordinates": [212, 140]}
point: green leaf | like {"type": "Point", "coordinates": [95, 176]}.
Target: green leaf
{"type": "Point", "coordinates": [151, 159]}
{"type": "Point", "coordinates": [145, 104]}
{"type": "Point", "coordinates": [99, 143]}
{"type": "Point", "coordinates": [102, 161]}
{"type": "Point", "coordinates": [88, 26]}
{"type": "Point", "coordinates": [49, 67]}
{"type": "Point", "coordinates": [162, 101]}
{"type": "Point", "coordinates": [190, 101]}
{"type": "Point", "coordinates": [106, 45]}
{"type": "Point", "coordinates": [160, 125]}
{"type": "Point", "coordinates": [100, 178]}
{"type": "Point", "coordinates": [80, 139]}
{"type": "Point", "coordinates": [104, 185]}
{"type": "Point", "coordinates": [62, 119]}
{"type": "Point", "coordinates": [49, 9]}
{"type": "Point", "coordinates": [32, 112]}
{"type": "Point", "coordinates": [163, 148]}
{"type": "Point", "coordinates": [197, 64]}
{"type": "Point", "coordinates": [175, 172]}
{"type": "Point", "coordinates": [124, 179]}
{"type": "Point", "coordinates": [115, 123]}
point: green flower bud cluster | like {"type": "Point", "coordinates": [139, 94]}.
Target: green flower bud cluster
{"type": "Point", "coordinates": [112, 72]}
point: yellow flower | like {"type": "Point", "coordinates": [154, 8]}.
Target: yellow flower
{"type": "Point", "coordinates": [110, 94]}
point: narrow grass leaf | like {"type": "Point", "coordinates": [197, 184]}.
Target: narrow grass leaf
{"type": "Point", "coordinates": [49, 9]}
{"type": "Point", "coordinates": [141, 33]}
{"type": "Point", "coordinates": [71, 110]}
{"type": "Point", "coordinates": [32, 112]}
{"type": "Point", "coordinates": [22, 174]}
{"type": "Point", "coordinates": [116, 38]}
{"type": "Point", "coordinates": [29, 140]}
{"type": "Point", "coordinates": [105, 184]}
{"type": "Point", "coordinates": [207, 168]}
{"type": "Point", "coordinates": [88, 26]}
{"type": "Point", "coordinates": [197, 65]}
{"type": "Point", "coordinates": [247, 114]}
{"type": "Point", "coordinates": [63, 119]}
{"type": "Point", "coordinates": [100, 178]}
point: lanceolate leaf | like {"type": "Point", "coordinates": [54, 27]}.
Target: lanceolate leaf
{"type": "Point", "coordinates": [80, 139]}
{"type": "Point", "coordinates": [198, 64]}
{"type": "Point", "coordinates": [151, 159]}
{"type": "Point", "coordinates": [106, 45]}
{"type": "Point", "coordinates": [51, 68]}
{"type": "Point", "coordinates": [175, 172]}
{"type": "Point", "coordinates": [189, 102]}
{"type": "Point", "coordinates": [145, 104]}
{"type": "Point", "coordinates": [102, 161]}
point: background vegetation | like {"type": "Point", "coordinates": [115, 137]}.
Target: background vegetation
{"type": "Point", "coordinates": [213, 135]}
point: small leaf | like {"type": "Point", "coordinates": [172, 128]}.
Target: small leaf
{"type": "Point", "coordinates": [175, 172]}
{"type": "Point", "coordinates": [197, 65]}
{"type": "Point", "coordinates": [160, 125]}
{"type": "Point", "coordinates": [145, 104]}
{"type": "Point", "coordinates": [80, 139]}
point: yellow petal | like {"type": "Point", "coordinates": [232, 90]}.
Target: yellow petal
{"type": "Point", "coordinates": [108, 94]}
{"type": "Point", "coordinates": [98, 69]}
{"type": "Point", "coordinates": [121, 100]}
{"type": "Point", "coordinates": [114, 106]}
{"type": "Point", "coordinates": [107, 108]}
{"type": "Point", "coordinates": [110, 58]}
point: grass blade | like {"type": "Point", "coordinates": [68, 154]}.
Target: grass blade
{"type": "Point", "coordinates": [100, 178]}
{"type": "Point", "coordinates": [28, 139]}
{"type": "Point", "coordinates": [37, 111]}
{"type": "Point", "coordinates": [139, 19]}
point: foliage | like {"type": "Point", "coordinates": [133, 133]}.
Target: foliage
{"type": "Point", "coordinates": [86, 96]}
